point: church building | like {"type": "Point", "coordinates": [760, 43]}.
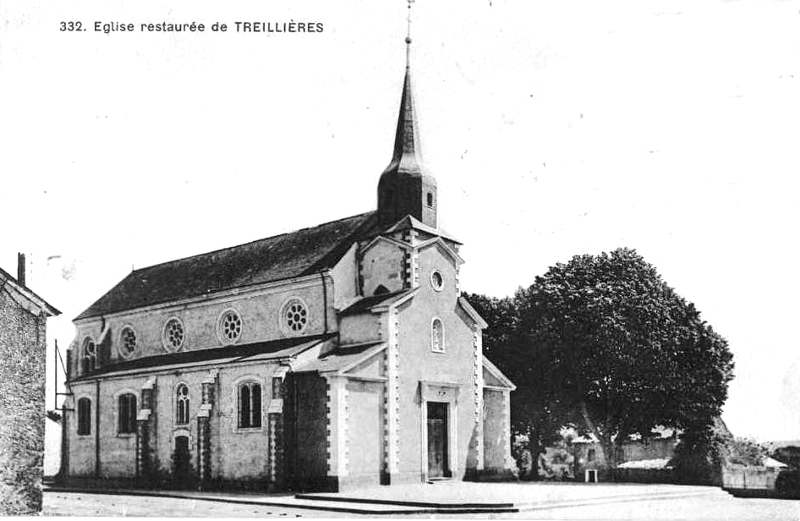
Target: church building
{"type": "Point", "coordinates": [326, 358]}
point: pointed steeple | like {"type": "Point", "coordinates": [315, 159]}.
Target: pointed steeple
{"type": "Point", "coordinates": [407, 150]}
{"type": "Point", "coordinates": [406, 187]}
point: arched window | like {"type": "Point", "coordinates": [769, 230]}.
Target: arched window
{"type": "Point", "coordinates": [249, 405]}
{"type": "Point", "coordinates": [294, 316]}
{"type": "Point", "coordinates": [173, 334]}
{"type": "Point", "coordinates": [127, 342]}
{"type": "Point", "coordinates": [89, 356]}
{"type": "Point", "coordinates": [437, 336]}
{"type": "Point", "coordinates": [126, 414]}
{"type": "Point", "coordinates": [182, 405]}
{"type": "Point", "coordinates": [84, 416]}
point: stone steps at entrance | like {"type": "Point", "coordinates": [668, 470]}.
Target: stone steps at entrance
{"type": "Point", "coordinates": [420, 507]}
{"type": "Point", "coordinates": [448, 505]}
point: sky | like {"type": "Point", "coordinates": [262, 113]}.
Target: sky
{"type": "Point", "coordinates": [554, 128]}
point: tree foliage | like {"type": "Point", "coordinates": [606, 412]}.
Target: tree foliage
{"type": "Point", "coordinates": [789, 455]}
{"type": "Point", "coordinates": [604, 344]}
{"type": "Point", "coordinates": [701, 454]}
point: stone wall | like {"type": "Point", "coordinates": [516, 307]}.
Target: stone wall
{"type": "Point", "coordinates": [22, 378]}
{"type": "Point", "coordinates": [236, 455]}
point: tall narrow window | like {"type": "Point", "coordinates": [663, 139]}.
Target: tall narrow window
{"type": "Point", "coordinates": [89, 357]}
{"type": "Point", "coordinates": [277, 388]}
{"type": "Point", "coordinates": [430, 200]}
{"type": "Point", "coordinates": [437, 336]}
{"type": "Point", "coordinates": [249, 405]}
{"type": "Point", "coordinates": [126, 414]}
{"type": "Point", "coordinates": [84, 416]}
{"type": "Point", "coordinates": [182, 405]}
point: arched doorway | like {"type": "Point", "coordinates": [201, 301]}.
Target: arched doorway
{"type": "Point", "coordinates": [182, 467]}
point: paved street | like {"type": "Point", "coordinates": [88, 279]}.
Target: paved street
{"type": "Point", "coordinates": [716, 507]}
{"type": "Point", "coordinates": [723, 508]}
{"type": "Point", "coordinates": [81, 504]}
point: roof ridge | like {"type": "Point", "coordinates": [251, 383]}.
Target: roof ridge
{"type": "Point", "coordinates": [140, 270]}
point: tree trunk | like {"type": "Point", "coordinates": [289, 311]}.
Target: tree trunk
{"type": "Point", "coordinates": [535, 447]}
{"type": "Point", "coordinates": [604, 439]}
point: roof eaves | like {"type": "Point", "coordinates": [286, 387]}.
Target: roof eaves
{"type": "Point", "coordinates": [396, 301]}
{"type": "Point", "coordinates": [444, 245]}
{"type": "Point", "coordinates": [29, 294]}
{"type": "Point", "coordinates": [497, 373]}
{"type": "Point", "coordinates": [473, 314]}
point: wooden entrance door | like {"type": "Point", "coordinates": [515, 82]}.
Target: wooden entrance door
{"type": "Point", "coordinates": [437, 440]}
{"type": "Point", "coordinates": [182, 462]}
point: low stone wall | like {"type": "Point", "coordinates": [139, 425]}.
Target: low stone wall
{"type": "Point", "coordinates": [750, 481]}
{"type": "Point", "coordinates": [645, 475]}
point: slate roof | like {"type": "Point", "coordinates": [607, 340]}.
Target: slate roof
{"type": "Point", "coordinates": [272, 350]}
{"type": "Point", "coordinates": [366, 303]}
{"type": "Point", "coordinates": [284, 256]}
{"type": "Point", "coordinates": [339, 358]}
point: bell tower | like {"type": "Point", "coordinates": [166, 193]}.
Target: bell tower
{"type": "Point", "coordinates": [406, 187]}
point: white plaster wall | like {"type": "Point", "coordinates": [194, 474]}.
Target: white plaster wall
{"type": "Point", "coordinates": [383, 264]}
{"type": "Point", "coordinates": [364, 327]}
{"type": "Point", "coordinates": [345, 279]}
{"type": "Point", "coordinates": [260, 315]}
{"type": "Point", "coordinates": [417, 362]}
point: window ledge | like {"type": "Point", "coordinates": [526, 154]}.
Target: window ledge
{"type": "Point", "coordinates": [246, 430]}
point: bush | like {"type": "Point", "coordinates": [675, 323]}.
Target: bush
{"type": "Point", "coordinates": [788, 483]}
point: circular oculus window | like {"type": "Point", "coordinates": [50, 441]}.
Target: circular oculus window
{"type": "Point", "coordinates": [294, 317]}
{"type": "Point", "coordinates": [230, 326]}
{"type": "Point", "coordinates": [437, 280]}
{"type": "Point", "coordinates": [127, 342]}
{"type": "Point", "coordinates": [173, 334]}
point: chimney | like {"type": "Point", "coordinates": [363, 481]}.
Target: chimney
{"type": "Point", "coordinates": [21, 269]}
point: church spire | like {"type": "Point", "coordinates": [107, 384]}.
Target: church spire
{"type": "Point", "coordinates": [406, 187]}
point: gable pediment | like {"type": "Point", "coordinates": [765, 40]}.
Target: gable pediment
{"type": "Point", "coordinates": [443, 247]}
{"type": "Point", "coordinates": [384, 240]}
{"type": "Point", "coordinates": [491, 380]}
{"type": "Point", "coordinates": [494, 378]}
{"type": "Point", "coordinates": [371, 367]}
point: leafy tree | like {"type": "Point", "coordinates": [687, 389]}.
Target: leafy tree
{"type": "Point", "coordinates": [606, 338]}
{"type": "Point", "coordinates": [789, 455]}
{"type": "Point", "coordinates": [746, 451]}
{"type": "Point", "coordinates": [701, 453]}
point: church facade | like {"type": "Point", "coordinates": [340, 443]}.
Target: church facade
{"type": "Point", "coordinates": [330, 357]}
